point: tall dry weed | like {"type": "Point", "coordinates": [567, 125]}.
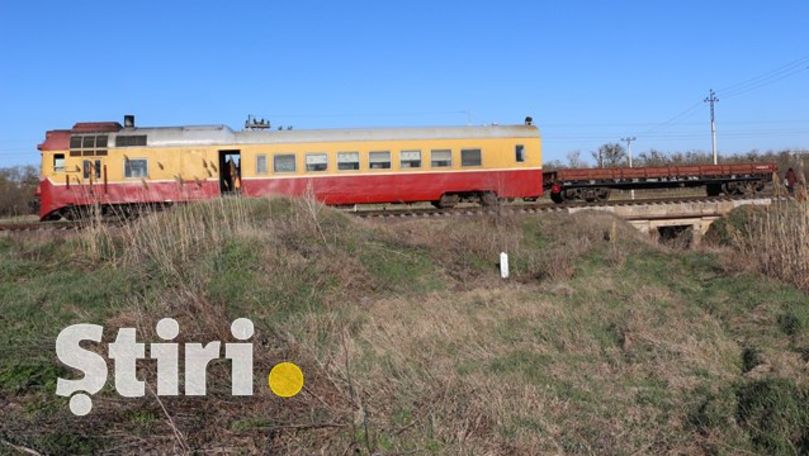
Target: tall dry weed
{"type": "Point", "coordinates": [777, 238]}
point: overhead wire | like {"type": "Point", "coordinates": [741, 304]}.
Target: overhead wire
{"type": "Point", "coordinates": [766, 78]}
{"type": "Point", "coordinates": [684, 114]}
{"type": "Point", "coordinates": [734, 90]}
{"type": "Point", "coordinates": [764, 83]}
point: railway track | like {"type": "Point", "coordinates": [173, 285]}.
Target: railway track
{"type": "Point", "coordinates": [412, 213]}
{"type": "Point", "coordinates": [537, 207]}
{"type": "Point", "coordinates": [41, 226]}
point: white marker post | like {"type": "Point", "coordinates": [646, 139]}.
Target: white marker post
{"type": "Point", "coordinates": [503, 265]}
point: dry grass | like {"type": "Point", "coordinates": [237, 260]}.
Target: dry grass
{"type": "Point", "coordinates": [410, 342]}
{"type": "Point", "coordinates": [775, 237]}
{"type": "Point", "coordinates": [779, 240]}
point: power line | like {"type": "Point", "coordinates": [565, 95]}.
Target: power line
{"type": "Point", "coordinates": [671, 121]}
{"type": "Point", "coordinates": [764, 83]}
{"type": "Point", "coordinates": [794, 67]}
{"type": "Point", "coordinates": [683, 135]}
{"type": "Point", "coordinates": [740, 88]}
{"type": "Point", "coordinates": [646, 124]}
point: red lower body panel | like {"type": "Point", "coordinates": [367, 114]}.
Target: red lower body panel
{"type": "Point", "coordinates": [52, 197]}
{"type": "Point", "coordinates": [340, 189]}
{"type": "Point", "coordinates": [404, 187]}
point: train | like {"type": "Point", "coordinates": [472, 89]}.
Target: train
{"type": "Point", "coordinates": [122, 168]}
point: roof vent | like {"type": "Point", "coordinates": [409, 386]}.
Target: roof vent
{"type": "Point", "coordinates": [129, 121]}
{"type": "Point", "coordinates": [253, 123]}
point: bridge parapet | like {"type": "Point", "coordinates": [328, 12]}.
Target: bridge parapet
{"type": "Point", "coordinates": [653, 217]}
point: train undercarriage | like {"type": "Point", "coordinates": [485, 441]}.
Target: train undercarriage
{"type": "Point", "coordinates": [596, 192]}
{"type": "Point", "coordinates": [597, 184]}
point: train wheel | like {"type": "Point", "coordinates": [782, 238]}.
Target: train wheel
{"type": "Point", "coordinates": [751, 188]}
{"type": "Point", "coordinates": [68, 213]}
{"type": "Point", "coordinates": [489, 199]}
{"type": "Point", "coordinates": [733, 188]}
{"type": "Point", "coordinates": [713, 189]}
{"type": "Point", "coordinates": [557, 198]}
{"type": "Point", "coordinates": [448, 201]}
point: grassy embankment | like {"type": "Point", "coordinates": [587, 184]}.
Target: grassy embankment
{"type": "Point", "coordinates": [600, 343]}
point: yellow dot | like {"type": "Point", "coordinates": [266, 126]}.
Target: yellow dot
{"type": "Point", "coordinates": [285, 379]}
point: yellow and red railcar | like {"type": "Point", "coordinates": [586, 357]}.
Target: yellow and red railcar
{"type": "Point", "coordinates": [109, 165]}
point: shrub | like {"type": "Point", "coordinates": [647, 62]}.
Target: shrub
{"type": "Point", "coordinates": [17, 187]}
{"type": "Point", "coordinates": [750, 359]}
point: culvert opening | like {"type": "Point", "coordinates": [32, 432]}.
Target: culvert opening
{"type": "Point", "coordinates": [676, 236]}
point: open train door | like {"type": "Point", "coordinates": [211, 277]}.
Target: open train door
{"type": "Point", "coordinates": [230, 172]}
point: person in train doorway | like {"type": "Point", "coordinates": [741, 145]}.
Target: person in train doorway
{"type": "Point", "coordinates": [227, 177]}
{"type": "Point", "coordinates": [232, 180]}
{"type": "Point", "coordinates": [236, 175]}
{"type": "Point", "coordinates": [790, 179]}
{"type": "Point", "coordinates": [237, 178]}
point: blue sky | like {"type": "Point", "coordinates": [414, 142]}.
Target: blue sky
{"type": "Point", "coordinates": [588, 72]}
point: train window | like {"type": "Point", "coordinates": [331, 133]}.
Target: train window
{"type": "Point", "coordinates": [97, 168]}
{"type": "Point", "coordinates": [261, 164]}
{"type": "Point", "coordinates": [410, 159]}
{"type": "Point", "coordinates": [316, 162]}
{"type": "Point", "coordinates": [379, 160]}
{"type": "Point", "coordinates": [284, 163]}
{"type": "Point", "coordinates": [347, 161]}
{"type": "Point", "coordinates": [87, 165]}
{"type": "Point", "coordinates": [88, 145]}
{"type": "Point", "coordinates": [135, 168]}
{"type": "Point", "coordinates": [519, 152]}
{"type": "Point", "coordinates": [470, 157]}
{"type": "Point", "coordinates": [58, 163]}
{"type": "Point", "coordinates": [129, 140]}
{"type": "Point", "coordinates": [441, 158]}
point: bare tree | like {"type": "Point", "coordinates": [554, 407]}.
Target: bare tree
{"type": "Point", "coordinates": [17, 187]}
{"type": "Point", "coordinates": [553, 164]}
{"type": "Point", "coordinates": [574, 159]}
{"type": "Point", "coordinates": [652, 158]}
{"type": "Point", "coordinates": [610, 155]}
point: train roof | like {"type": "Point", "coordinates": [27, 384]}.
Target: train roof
{"type": "Point", "coordinates": [222, 134]}
{"type": "Point", "coordinates": [203, 135]}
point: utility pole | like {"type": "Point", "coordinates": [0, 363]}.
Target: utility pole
{"type": "Point", "coordinates": [628, 140]}
{"type": "Point", "coordinates": [713, 100]}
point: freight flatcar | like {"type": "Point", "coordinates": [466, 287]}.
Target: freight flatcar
{"type": "Point", "coordinates": [118, 167]}
{"type": "Point", "coordinates": [595, 184]}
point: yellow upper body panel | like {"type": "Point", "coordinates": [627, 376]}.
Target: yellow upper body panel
{"type": "Point", "coordinates": [262, 160]}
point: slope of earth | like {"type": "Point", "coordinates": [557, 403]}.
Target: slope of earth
{"type": "Point", "coordinates": [410, 343]}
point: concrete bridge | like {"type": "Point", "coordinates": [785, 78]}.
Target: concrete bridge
{"type": "Point", "coordinates": [675, 218]}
